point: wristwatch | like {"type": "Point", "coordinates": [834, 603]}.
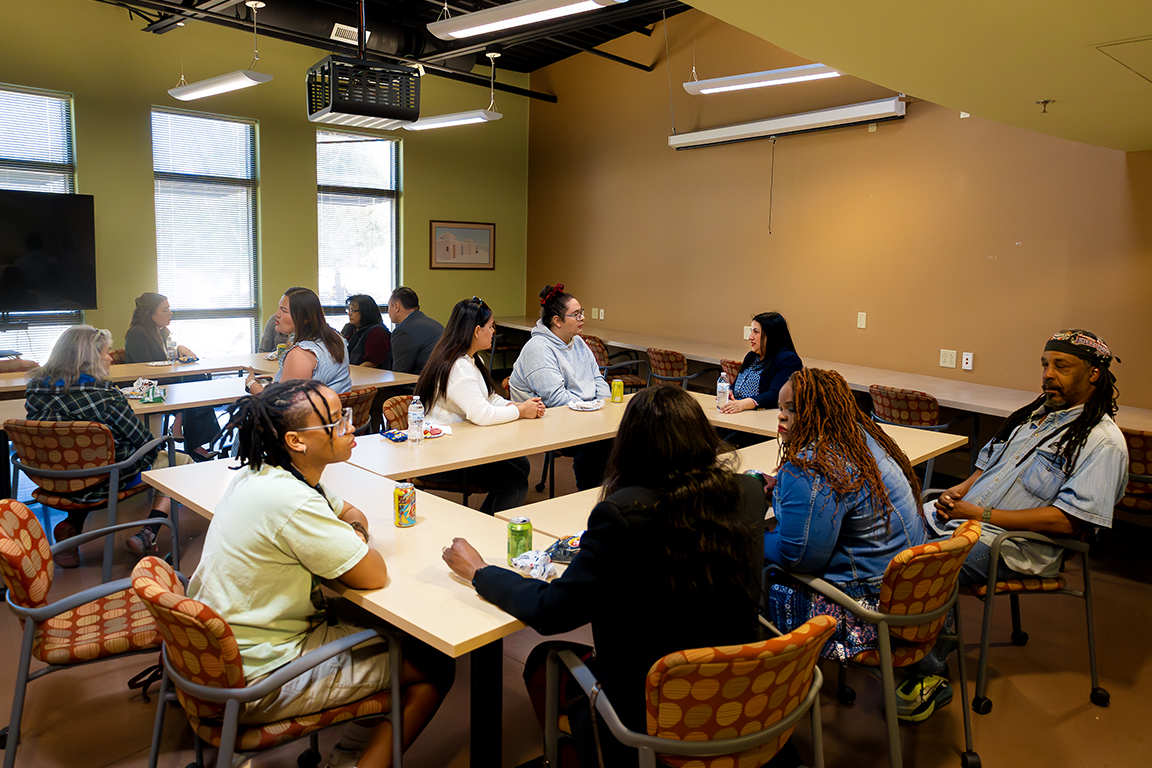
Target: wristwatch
{"type": "Point", "coordinates": [987, 514]}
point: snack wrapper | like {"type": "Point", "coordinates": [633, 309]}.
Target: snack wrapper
{"type": "Point", "coordinates": [430, 431]}
{"type": "Point", "coordinates": [563, 550]}
{"type": "Point", "coordinates": [535, 563]}
{"type": "Point", "coordinates": [140, 390]}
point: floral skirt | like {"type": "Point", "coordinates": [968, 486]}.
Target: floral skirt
{"type": "Point", "coordinates": [788, 608]}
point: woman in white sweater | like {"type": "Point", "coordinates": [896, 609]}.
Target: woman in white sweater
{"type": "Point", "coordinates": [455, 386]}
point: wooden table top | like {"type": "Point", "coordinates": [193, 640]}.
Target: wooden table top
{"type": "Point", "coordinates": [423, 597]}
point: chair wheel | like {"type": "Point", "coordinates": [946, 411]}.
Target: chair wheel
{"type": "Point", "coordinates": [846, 695]}
{"type": "Point", "coordinates": [981, 705]}
{"type": "Point", "coordinates": [1019, 638]}
{"type": "Point", "coordinates": [1100, 697]}
{"type": "Point", "coordinates": [970, 760]}
{"type": "Point", "coordinates": [308, 759]}
{"type": "Point", "coordinates": [4, 737]}
{"type": "Point", "coordinates": [539, 487]}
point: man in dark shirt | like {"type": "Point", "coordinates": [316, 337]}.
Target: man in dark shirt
{"type": "Point", "coordinates": [414, 335]}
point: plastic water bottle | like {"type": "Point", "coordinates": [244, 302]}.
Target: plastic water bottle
{"type": "Point", "coordinates": [416, 421]}
{"type": "Point", "coordinates": [721, 390]}
{"type": "Point", "coordinates": [170, 348]}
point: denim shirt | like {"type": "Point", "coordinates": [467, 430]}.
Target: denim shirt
{"type": "Point", "coordinates": [1013, 478]}
{"type": "Point", "coordinates": [838, 536]}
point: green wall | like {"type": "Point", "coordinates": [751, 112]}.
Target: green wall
{"type": "Point", "coordinates": [117, 73]}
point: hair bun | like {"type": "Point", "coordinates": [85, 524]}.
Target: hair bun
{"type": "Point", "coordinates": [549, 292]}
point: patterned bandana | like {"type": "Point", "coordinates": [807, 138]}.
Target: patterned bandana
{"type": "Point", "coordinates": [1082, 344]}
{"type": "Point", "coordinates": [554, 291]}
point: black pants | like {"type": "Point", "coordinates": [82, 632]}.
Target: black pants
{"type": "Point", "coordinates": [505, 481]}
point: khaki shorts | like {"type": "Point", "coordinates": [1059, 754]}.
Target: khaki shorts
{"type": "Point", "coordinates": [162, 459]}
{"type": "Point", "coordinates": [346, 677]}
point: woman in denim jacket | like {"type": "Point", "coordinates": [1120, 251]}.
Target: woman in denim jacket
{"type": "Point", "coordinates": [845, 504]}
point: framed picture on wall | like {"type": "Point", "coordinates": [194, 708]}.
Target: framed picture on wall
{"type": "Point", "coordinates": [463, 245]}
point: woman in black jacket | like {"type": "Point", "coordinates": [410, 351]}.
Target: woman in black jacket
{"type": "Point", "coordinates": [767, 367]}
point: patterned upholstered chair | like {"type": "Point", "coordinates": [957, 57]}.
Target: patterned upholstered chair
{"type": "Point", "coordinates": [668, 367]}
{"type": "Point", "coordinates": [746, 701]}
{"type": "Point", "coordinates": [981, 704]}
{"type": "Point", "coordinates": [1138, 494]}
{"type": "Point", "coordinates": [920, 588]}
{"type": "Point", "coordinates": [632, 381]}
{"type": "Point", "coordinates": [919, 410]}
{"type": "Point", "coordinates": [396, 417]}
{"type": "Point", "coordinates": [360, 401]}
{"type": "Point", "coordinates": [202, 661]}
{"type": "Point", "coordinates": [118, 356]}
{"type": "Point", "coordinates": [101, 622]}
{"type": "Point", "coordinates": [732, 369]}
{"type": "Point", "coordinates": [65, 457]}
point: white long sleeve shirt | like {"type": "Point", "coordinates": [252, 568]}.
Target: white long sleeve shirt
{"type": "Point", "coordinates": [466, 398]}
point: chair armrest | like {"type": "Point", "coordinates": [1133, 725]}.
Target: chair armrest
{"type": "Point", "coordinates": [931, 494]}
{"type": "Point", "coordinates": [104, 470]}
{"type": "Point", "coordinates": [628, 364]}
{"type": "Point", "coordinates": [84, 538]}
{"type": "Point", "coordinates": [71, 602]}
{"type": "Point", "coordinates": [689, 377]}
{"type": "Point", "coordinates": [994, 558]}
{"type": "Point", "coordinates": [822, 587]}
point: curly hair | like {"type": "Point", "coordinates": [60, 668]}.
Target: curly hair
{"type": "Point", "coordinates": [262, 420]}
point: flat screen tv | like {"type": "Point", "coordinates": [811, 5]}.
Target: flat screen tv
{"type": "Point", "coordinates": [47, 252]}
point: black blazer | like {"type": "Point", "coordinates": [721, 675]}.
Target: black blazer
{"type": "Point", "coordinates": [773, 377]}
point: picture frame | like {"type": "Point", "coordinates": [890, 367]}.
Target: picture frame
{"type": "Point", "coordinates": [462, 245]}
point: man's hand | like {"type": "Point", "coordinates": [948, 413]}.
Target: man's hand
{"type": "Point", "coordinates": [463, 559]}
{"type": "Point", "coordinates": [949, 507]}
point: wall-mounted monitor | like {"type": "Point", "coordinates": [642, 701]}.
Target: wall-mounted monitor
{"type": "Point", "coordinates": [47, 252]}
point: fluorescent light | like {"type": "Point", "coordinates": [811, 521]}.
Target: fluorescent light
{"type": "Point", "coordinates": [511, 15]}
{"type": "Point", "coordinates": [761, 79]}
{"type": "Point", "coordinates": [233, 81]}
{"type": "Point", "coordinates": [851, 114]}
{"type": "Point", "coordinates": [456, 118]}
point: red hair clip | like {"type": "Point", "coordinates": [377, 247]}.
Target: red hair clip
{"type": "Point", "coordinates": [554, 291]}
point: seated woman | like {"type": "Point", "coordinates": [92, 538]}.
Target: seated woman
{"type": "Point", "coordinates": [455, 386]}
{"type": "Point", "coordinates": [276, 533]}
{"type": "Point", "coordinates": [369, 340]}
{"type": "Point", "coordinates": [765, 369]}
{"type": "Point", "coordinates": [319, 352]}
{"type": "Point", "coordinates": [845, 504]}
{"type": "Point", "coordinates": [146, 342]}
{"type": "Point", "coordinates": [557, 366]}
{"type": "Point", "coordinates": [669, 561]}
{"type": "Point", "coordinates": [73, 386]}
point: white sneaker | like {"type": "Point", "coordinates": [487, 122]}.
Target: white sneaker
{"type": "Point", "coordinates": [342, 758]}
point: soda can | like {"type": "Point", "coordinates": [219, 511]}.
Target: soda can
{"type": "Point", "coordinates": [405, 504]}
{"type": "Point", "coordinates": [519, 537]}
{"type": "Point", "coordinates": [281, 350]}
{"type": "Point", "coordinates": [617, 391]}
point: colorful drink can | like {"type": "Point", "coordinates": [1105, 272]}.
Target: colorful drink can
{"type": "Point", "coordinates": [519, 537]}
{"type": "Point", "coordinates": [281, 350]}
{"type": "Point", "coordinates": [617, 391]}
{"type": "Point", "coordinates": [405, 504]}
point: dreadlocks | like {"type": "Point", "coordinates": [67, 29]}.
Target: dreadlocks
{"type": "Point", "coordinates": [829, 438]}
{"type": "Point", "coordinates": [262, 420]}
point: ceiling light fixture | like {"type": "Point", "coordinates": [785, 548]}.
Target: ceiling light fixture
{"type": "Point", "coordinates": [509, 15]}
{"type": "Point", "coordinates": [760, 79]}
{"type": "Point", "coordinates": [465, 118]}
{"type": "Point", "coordinates": [233, 81]}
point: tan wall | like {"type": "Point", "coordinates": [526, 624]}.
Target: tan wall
{"type": "Point", "coordinates": [118, 73]}
{"type": "Point", "coordinates": [950, 233]}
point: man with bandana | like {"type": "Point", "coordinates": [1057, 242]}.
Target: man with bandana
{"type": "Point", "coordinates": [1058, 465]}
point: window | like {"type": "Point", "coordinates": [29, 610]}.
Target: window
{"type": "Point", "coordinates": [36, 155]}
{"type": "Point", "coordinates": [205, 182]}
{"type": "Point", "coordinates": [357, 180]}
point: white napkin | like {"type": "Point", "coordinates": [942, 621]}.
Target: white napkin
{"type": "Point", "coordinates": [536, 563]}
{"type": "Point", "coordinates": [586, 405]}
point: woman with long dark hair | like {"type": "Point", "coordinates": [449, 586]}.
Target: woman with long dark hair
{"type": "Point", "coordinates": [318, 352]}
{"type": "Point", "coordinates": [146, 342]}
{"type": "Point", "coordinates": [669, 561]}
{"type": "Point", "coordinates": [275, 534]}
{"type": "Point", "coordinates": [455, 386]}
{"type": "Point", "coordinates": [369, 340]}
{"type": "Point", "coordinates": [766, 367]}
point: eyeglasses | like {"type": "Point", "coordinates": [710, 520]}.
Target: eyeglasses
{"type": "Point", "coordinates": [352, 310]}
{"type": "Point", "coordinates": [578, 314]}
{"type": "Point", "coordinates": [343, 425]}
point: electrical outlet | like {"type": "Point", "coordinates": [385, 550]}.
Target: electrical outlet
{"type": "Point", "coordinates": [593, 316]}
{"type": "Point", "coordinates": [966, 361]}
{"type": "Point", "coordinates": [947, 358]}
{"type": "Point", "coordinates": [747, 332]}
{"type": "Point", "coordinates": [601, 314]}
{"type": "Point", "coordinates": [861, 319]}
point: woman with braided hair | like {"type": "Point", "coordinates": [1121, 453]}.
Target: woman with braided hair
{"type": "Point", "coordinates": [275, 534]}
{"type": "Point", "coordinates": [846, 501]}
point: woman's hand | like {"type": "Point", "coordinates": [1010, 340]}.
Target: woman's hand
{"type": "Point", "coordinates": [951, 508]}
{"type": "Point", "coordinates": [735, 406]}
{"type": "Point", "coordinates": [531, 409]}
{"type": "Point", "coordinates": [251, 384]}
{"type": "Point", "coordinates": [183, 351]}
{"type": "Point", "coordinates": [463, 559]}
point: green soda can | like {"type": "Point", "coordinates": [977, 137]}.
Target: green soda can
{"type": "Point", "coordinates": [519, 537]}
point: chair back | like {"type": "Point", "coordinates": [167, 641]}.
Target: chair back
{"type": "Point", "coordinates": [904, 406]}
{"type": "Point", "coordinates": [197, 642]}
{"type": "Point", "coordinates": [63, 445]}
{"type": "Point", "coordinates": [731, 368]}
{"type": "Point", "coordinates": [396, 411]}
{"type": "Point", "coordinates": [1138, 494]}
{"type": "Point", "coordinates": [921, 579]}
{"type": "Point", "coordinates": [25, 556]}
{"type": "Point", "coordinates": [118, 356]}
{"type": "Point", "coordinates": [360, 401]}
{"type": "Point", "coordinates": [664, 362]}
{"type": "Point", "coordinates": [599, 350]}
{"type": "Point", "coordinates": [716, 693]}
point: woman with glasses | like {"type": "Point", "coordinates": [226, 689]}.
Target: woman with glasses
{"type": "Point", "coordinates": [369, 340]}
{"type": "Point", "coordinates": [319, 352]}
{"type": "Point", "coordinates": [455, 386]}
{"type": "Point", "coordinates": [276, 532]}
{"type": "Point", "coordinates": [556, 366]}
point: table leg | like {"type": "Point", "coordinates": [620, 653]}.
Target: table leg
{"type": "Point", "coordinates": [487, 683]}
{"type": "Point", "coordinates": [6, 473]}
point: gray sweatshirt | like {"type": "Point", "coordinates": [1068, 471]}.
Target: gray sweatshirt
{"type": "Point", "coordinates": [556, 372]}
